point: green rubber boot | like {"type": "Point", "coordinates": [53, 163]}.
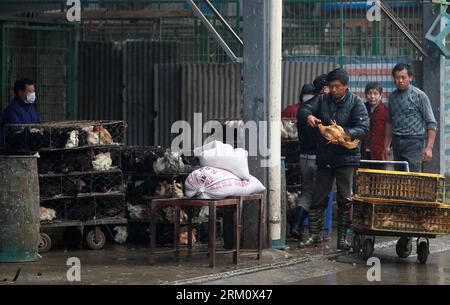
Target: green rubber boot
{"type": "Point", "coordinates": [343, 230]}
{"type": "Point", "coordinates": [314, 229]}
{"type": "Point", "coordinates": [325, 235]}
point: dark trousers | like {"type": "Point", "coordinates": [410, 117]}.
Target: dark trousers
{"type": "Point", "coordinates": [324, 184]}
{"type": "Point", "coordinates": [408, 148]}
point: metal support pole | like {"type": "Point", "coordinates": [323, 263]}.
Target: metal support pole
{"type": "Point", "coordinates": [262, 104]}
{"type": "Point", "coordinates": [254, 102]}
{"type": "Point", "coordinates": [274, 111]}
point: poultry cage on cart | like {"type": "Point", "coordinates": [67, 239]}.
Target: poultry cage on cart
{"type": "Point", "coordinates": [80, 177]}
{"type": "Point", "coordinates": [399, 204]}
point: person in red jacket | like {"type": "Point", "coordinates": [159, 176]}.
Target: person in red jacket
{"type": "Point", "coordinates": [374, 142]}
{"type": "Point", "coordinates": [290, 112]}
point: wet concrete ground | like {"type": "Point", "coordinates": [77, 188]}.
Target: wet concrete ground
{"type": "Point", "coordinates": [125, 265]}
{"type": "Point", "coordinates": [129, 265]}
{"type": "Point", "coordinates": [351, 269]}
{"type": "Point", "coordinates": [394, 270]}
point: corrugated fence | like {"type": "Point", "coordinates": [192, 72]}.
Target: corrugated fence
{"type": "Point", "coordinates": [139, 61]}
{"type": "Point", "coordinates": [99, 81]}
{"type": "Point", "coordinates": [144, 85]}
{"type": "Point", "coordinates": [296, 74]}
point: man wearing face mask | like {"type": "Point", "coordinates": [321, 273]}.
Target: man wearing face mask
{"type": "Point", "coordinates": [21, 110]}
{"type": "Point", "coordinates": [307, 93]}
{"type": "Point", "coordinates": [307, 160]}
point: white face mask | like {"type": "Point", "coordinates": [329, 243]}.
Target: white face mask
{"type": "Point", "coordinates": [31, 97]}
{"type": "Point", "coordinates": [307, 97]}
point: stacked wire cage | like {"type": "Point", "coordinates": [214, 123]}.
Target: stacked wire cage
{"type": "Point", "coordinates": [389, 203]}
{"type": "Point", "coordinates": [152, 172]}
{"type": "Point", "coordinates": [80, 176]}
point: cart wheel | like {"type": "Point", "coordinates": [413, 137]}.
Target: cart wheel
{"type": "Point", "coordinates": [367, 248]}
{"type": "Point", "coordinates": [45, 243]}
{"type": "Point", "coordinates": [404, 247]}
{"type": "Point", "coordinates": [357, 243]}
{"type": "Point", "coordinates": [423, 250]}
{"type": "Point", "coordinates": [94, 243]}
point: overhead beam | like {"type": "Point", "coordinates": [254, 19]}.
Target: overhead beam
{"type": "Point", "coordinates": [119, 15]}
{"type": "Point", "coordinates": [213, 31]}
{"type": "Point", "coordinates": [402, 27]}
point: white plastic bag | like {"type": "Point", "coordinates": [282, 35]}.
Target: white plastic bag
{"type": "Point", "coordinates": [224, 156]}
{"type": "Point", "coordinates": [216, 183]}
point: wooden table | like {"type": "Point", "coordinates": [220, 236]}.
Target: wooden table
{"type": "Point", "coordinates": [212, 204]}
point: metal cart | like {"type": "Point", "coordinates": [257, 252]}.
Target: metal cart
{"type": "Point", "coordinates": [399, 204]}
{"type": "Point", "coordinates": [95, 237]}
{"type": "Point", "coordinates": [407, 221]}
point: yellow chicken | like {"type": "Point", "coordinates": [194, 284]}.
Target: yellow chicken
{"type": "Point", "coordinates": [335, 134]}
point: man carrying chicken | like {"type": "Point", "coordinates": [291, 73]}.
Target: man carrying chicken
{"type": "Point", "coordinates": [338, 151]}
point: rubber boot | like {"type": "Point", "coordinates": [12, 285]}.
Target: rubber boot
{"type": "Point", "coordinates": [314, 229]}
{"type": "Point", "coordinates": [343, 224]}
{"type": "Point", "coordinates": [325, 235]}
{"type": "Point", "coordinates": [297, 231]}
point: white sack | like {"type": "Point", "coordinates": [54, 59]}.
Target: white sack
{"type": "Point", "coordinates": [218, 155]}
{"type": "Point", "coordinates": [215, 183]}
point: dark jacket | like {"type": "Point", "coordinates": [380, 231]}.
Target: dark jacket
{"type": "Point", "coordinates": [18, 112]}
{"type": "Point", "coordinates": [307, 136]}
{"type": "Point", "coordinates": [350, 113]}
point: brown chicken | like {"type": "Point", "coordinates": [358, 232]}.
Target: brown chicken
{"type": "Point", "coordinates": [335, 134]}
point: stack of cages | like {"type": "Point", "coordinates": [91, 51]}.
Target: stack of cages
{"type": "Point", "coordinates": [152, 172]}
{"type": "Point", "coordinates": [290, 150]}
{"type": "Point", "coordinates": [400, 202]}
{"type": "Point", "coordinates": [80, 176]}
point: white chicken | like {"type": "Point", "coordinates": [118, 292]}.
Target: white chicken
{"type": "Point", "coordinates": [289, 130]}
{"type": "Point", "coordinates": [169, 164]}
{"type": "Point", "coordinates": [102, 162]}
{"type": "Point", "coordinates": [239, 126]}
{"type": "Point", "coordinates": [92, 138]}
{"type": "Point", "coordinates": [46, 214]}
{"type": "Point", "coordinates": [121, 235]}
{"type": "Point", "coordinates": [73, 139]}
{"type": "Point", "coordinates": [292, 199]}
{"type": "Point", "coordinates": [137, 212]}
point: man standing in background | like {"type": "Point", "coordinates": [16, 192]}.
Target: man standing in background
{"type": "Point", "coordinates": [410, 122]}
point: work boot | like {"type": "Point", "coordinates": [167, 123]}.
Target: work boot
{"type": "Point", "coordinates": [314, 229]}
{"type": "Point", "coordinates": [343, 229]}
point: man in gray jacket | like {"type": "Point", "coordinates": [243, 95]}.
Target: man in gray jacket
{"type": "Point", "coordinates": [410, 121]}
{"type": "Point", "coordinates": [335, 161]}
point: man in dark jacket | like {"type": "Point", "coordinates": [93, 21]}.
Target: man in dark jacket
{"type": "Point", "coordinates": [335, 161]}
{"type": "Point", "coordinates": [22, 108]}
